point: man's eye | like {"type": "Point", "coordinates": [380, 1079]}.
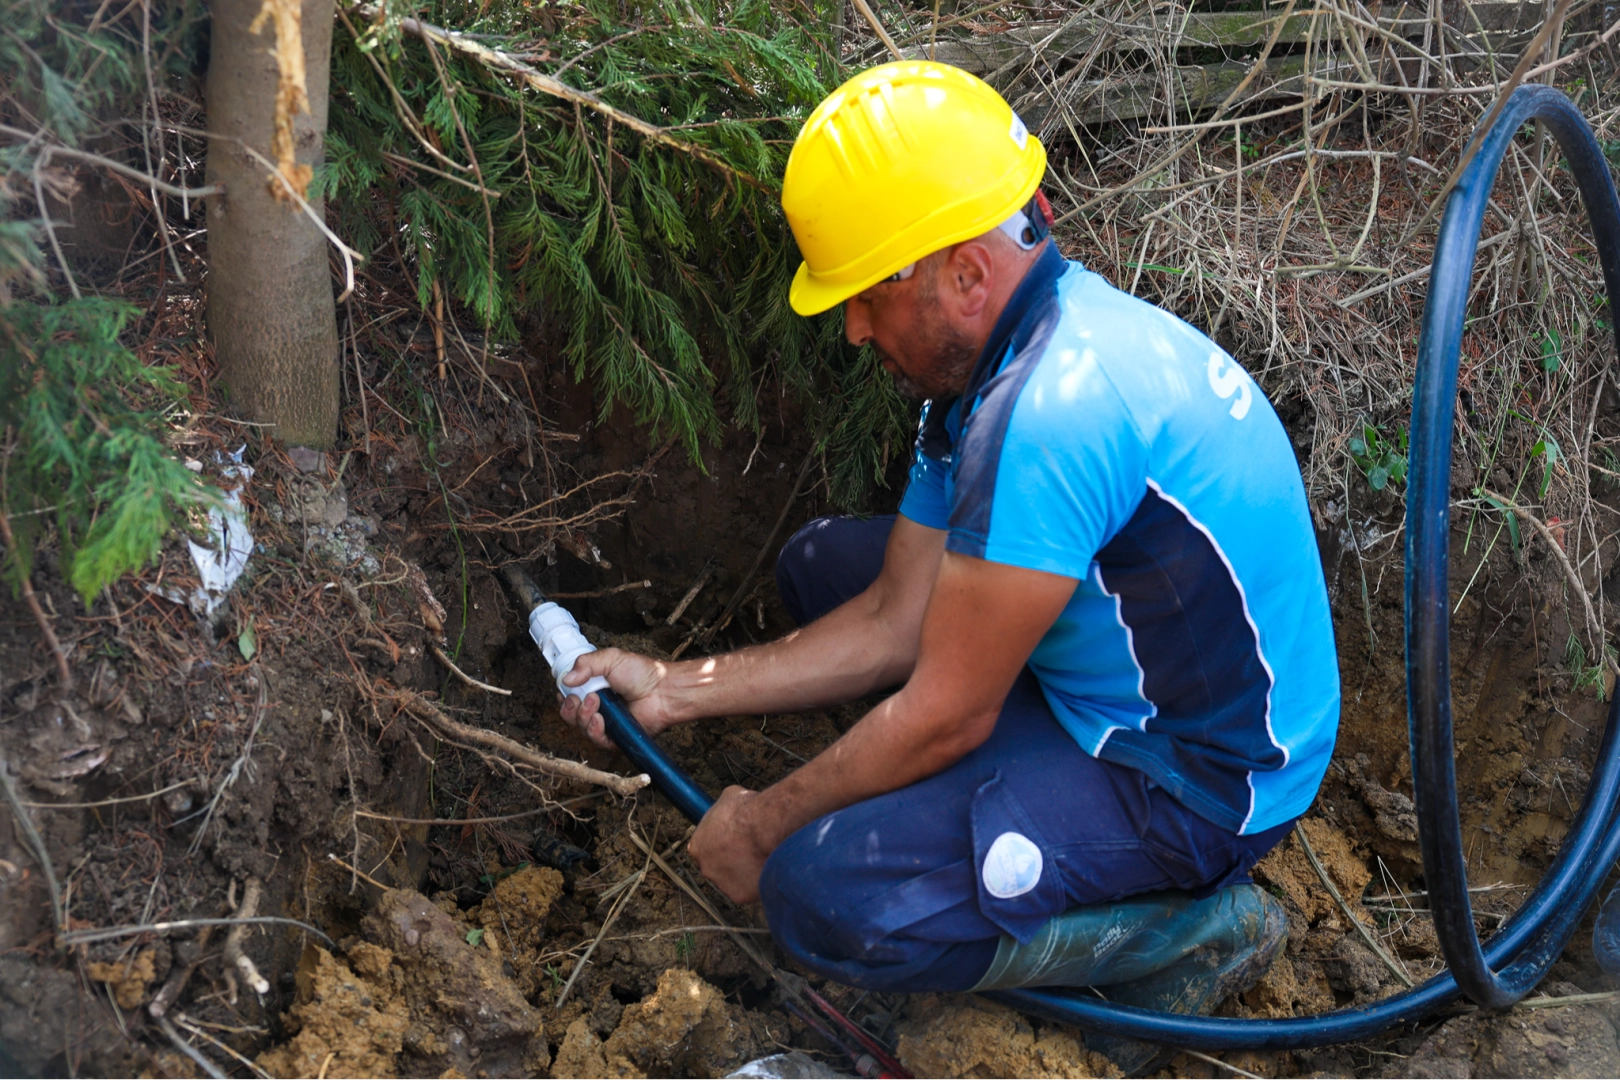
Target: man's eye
{"type": "Point", "coordinates": [901, 274]}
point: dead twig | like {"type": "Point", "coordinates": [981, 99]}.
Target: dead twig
{"type": "Point", "coordinates": [37, 843]}
{"type": "Point", "coordinates": [546, 84]}
{"type": "Point", "coordinates": [243, 762]}
{"type": "Point", "coordinates": [1333, 890]}
{"type": "Point", "coordinates": [740, 594]}
{"type": "Point", "coordinates": [877, 28]}
{"type": "Point", "coordinates": [482, 820]}
{"type": "Point", "coordinates": [1218, 1063]}
{"type": "Point", "coordinates": [631, 884]}
{"type": "Point", "coordinates": [593, 593]}
{"type": "Point", "coordinates": [108, 802]}
{"type": "Point", "coordinates": [426, 711]}
{"type": "Point", "coordinates": [357, 872]}
{"type": "Point", "coordinates": [190, 1051]}
{"type": "Point", "coordinates": [691, 594]}
{"type": "Point", "coordinates": [113, 933]}
{"type": "Point", "coordinates": [1522, 69]}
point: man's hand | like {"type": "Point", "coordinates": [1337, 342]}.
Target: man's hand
{"type": "Point", "coordinates": [726, 848]}
{"type": "Point", "coordinates": [637, 679]}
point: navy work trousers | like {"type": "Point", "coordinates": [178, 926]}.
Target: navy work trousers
{"type": "Point", "coordinates": [912, 890]}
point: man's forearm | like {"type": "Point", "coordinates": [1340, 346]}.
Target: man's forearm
{"type": "Point", "coordinates": [867, 644]}
{"type": "Point", "coordinates": [851, 651]}
{"type": "Point", "coordinates": [906, 738]}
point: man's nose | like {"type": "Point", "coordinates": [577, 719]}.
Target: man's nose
{"type": "Point", "coordinates": [857, 321]}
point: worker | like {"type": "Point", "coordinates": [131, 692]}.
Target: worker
{"type": "Point", "coordinates": [1101, 602]}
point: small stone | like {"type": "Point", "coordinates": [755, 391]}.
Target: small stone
{"type": "Point", "coordinates": [305, 459]}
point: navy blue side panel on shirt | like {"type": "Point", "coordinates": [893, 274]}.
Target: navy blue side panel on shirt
{"type": "Point", "coordinates": [1104, 440]}
{"type": "Point", "coordinates": [1199, 657]}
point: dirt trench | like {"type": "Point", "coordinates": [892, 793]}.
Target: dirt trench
{"type": "Point", "coordinates": [478, 919]}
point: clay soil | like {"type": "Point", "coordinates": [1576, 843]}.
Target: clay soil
{"type": "Point", "coordinates": [480, 918]}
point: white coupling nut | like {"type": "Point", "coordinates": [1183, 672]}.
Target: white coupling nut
{"type": "Point", "coordinates": [555, 631]}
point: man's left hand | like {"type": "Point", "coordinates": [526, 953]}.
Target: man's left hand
{"type": "Point", "coordinates": [726, 848]}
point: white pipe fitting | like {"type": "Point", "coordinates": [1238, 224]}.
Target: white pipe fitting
{"type": "Point", "coordinates": [553, 629]}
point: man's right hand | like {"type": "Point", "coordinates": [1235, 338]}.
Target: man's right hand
{"type": "Point", "coordinates": [639, 680]}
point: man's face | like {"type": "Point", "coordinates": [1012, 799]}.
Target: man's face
{"type": "Point", "coordinates": [905, 322]}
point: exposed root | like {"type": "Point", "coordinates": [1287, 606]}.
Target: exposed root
{"type": "Point", "coordinates": [424, 710]}
{"type": "Point", "coordinates": [234, 956]}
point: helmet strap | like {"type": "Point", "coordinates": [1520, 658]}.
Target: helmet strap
{"type": "Point", "coordinates": [1031, 225]}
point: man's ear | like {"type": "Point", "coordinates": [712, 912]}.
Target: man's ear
{"type": "Point", "coordinates": [968, 273]}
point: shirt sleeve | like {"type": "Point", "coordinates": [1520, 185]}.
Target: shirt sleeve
{"type": "Point", "coordinates": [1052, 467]}
{"type": "Point", "coordinates": [924, 500]}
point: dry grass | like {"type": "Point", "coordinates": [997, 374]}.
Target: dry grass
{"type": "Point", "coordinates": [1286, 211]}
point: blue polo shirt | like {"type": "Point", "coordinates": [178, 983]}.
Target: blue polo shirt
{"type": "Point", "coordinates": [1105, 440]}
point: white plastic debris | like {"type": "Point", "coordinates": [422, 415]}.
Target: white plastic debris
{"type": "Point", "coordinates": [219, 566]}
{"type": "Point", "coordinates": [793, 1064]}
{"type": "Point", "coordinates": [222, 561]}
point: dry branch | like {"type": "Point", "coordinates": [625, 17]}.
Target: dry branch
{"type": "Point", "coordinates": [424, 710]}
{"type": "Point", "coordinates": [498, 60]}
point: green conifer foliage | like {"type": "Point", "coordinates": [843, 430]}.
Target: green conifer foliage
{"type": "Point", "coordinates": [667, 272]}
{"type": "Point", "coordinates": [81, 417]}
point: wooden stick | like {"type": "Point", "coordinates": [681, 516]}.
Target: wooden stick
{"type": "Point", "coordinates": [1333, 891]}
{"type": "Point", "coordinates": [626, 587]}
{"type": "Point", "coordinates": [877, 28]}
{"type": "Point", "coordinates": [691, 595]}
{"type": "Point", "coordinates": [705, 636]}
{"type": "Point", "coordinates": [424, 710]}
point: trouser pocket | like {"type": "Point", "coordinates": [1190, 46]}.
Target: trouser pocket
{"type": "Point", "coordinates": [1016, 875]}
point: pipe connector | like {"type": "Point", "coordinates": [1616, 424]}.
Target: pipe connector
{"type": "Point", "coordinates": [554, 629]}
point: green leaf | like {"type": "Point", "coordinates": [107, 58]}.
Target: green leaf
{"type": "Point", "coordinates": [247, 642]}
{"type": "Point", "coordinates": [1552, 350]}
{"type": "Point", "coordinates": [1548, 448]}
{"type": "Point", "coordinates": [1377, 477]}
{"type": "Point", "coordinates": [475, 937]}
{"type": "Point", "coordinates": [1509, 515]}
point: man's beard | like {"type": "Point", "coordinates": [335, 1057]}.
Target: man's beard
{"type": "Point", "coordinates": [951, 357]}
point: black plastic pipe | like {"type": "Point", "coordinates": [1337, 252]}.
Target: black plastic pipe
{"type": "Point", "coordinates": [1519, 955]}
{"type": "Point", "coordinates": [628, 735]}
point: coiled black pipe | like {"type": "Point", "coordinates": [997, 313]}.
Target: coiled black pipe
{"type": "Point", "coordinates": [1519, 955]}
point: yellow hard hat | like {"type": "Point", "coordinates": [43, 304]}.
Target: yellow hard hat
{"type": "Point", "coordinates": [902, 160]}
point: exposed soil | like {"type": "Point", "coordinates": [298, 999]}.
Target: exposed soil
{"type": "Point", "coordinates": [283, 756]}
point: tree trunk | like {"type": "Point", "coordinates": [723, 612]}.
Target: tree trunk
{"type": "Point", "coordinates": [271, 313]}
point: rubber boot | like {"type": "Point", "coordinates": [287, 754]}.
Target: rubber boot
{"type": "Point", "coordinates": [1161, 951]}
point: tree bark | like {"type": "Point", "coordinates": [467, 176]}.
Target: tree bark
{"type": "Point", "coordinates": [271, 313]}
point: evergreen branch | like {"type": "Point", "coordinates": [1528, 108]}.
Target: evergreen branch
{"type": "Point", "coordinates": [546, 84]}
